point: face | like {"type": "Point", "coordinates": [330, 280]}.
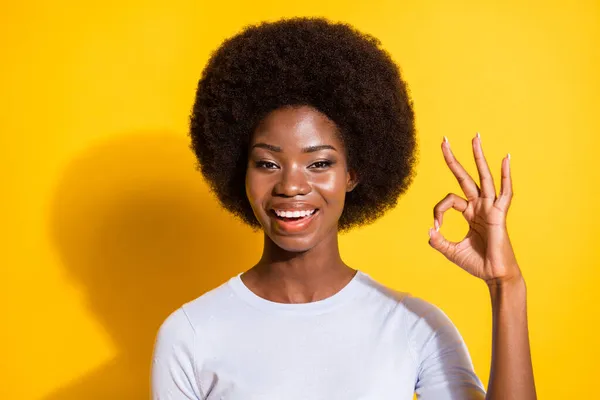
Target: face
{"type": "Point", "coordinates": [297, 177]}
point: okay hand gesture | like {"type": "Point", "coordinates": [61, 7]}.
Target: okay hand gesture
{"type": "Point", "coordinates": [486, 251]}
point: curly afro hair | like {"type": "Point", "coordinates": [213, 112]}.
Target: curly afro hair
{"type": "Point", "coordinates": [341, 72]}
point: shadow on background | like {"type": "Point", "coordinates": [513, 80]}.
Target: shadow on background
{"type": "Point", "coordinates": [137, 229]}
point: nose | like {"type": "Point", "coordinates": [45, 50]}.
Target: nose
{"type": "Point", "coordinates": [292, 182]}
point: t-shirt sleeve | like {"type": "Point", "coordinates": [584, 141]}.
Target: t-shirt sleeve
{"type": "Point", "coordinates": [444, 367]}
{"type": "Point", "coordinates": [172, 376]}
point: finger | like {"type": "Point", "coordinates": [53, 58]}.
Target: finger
{"type": "Point", "coordinates": [450, 201]}
{"type": "Point", "coordinates": [441, 244]}
{"type": "Point", "coordinates": [488, 190]}
{"type": "Point", "coordinates": [467, 184]}
{"type": "Point", "coordinates": [506, 189]}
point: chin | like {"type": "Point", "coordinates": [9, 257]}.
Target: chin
{"type": "Point", "coordinates": [294, 244]}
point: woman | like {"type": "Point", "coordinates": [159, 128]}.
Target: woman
{"type": "Point", "coordinates": [304, 128]}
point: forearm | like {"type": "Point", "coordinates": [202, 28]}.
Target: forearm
{"type": "Point", "coordinates": [511, 374]}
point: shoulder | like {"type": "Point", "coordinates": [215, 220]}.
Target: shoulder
{"type": "Point", "coordinates": [430, 332]}
{"type": "Point", "coordinates": [416, 312]}
{"type": "Point", "coordinates": [420, 309]}
{"type": "Point", "coordinates": [199, 312]}
{"type": "Point", "coordinates": [381, 292]}
{"type": "Point", "coordinates": [179, 332]}
{"type": "Point", "coordinates": [424, 320]}
{"type": "Point", "coordinates": [175, 331]}
{"type": "Point", "coordinates": [414, 307]}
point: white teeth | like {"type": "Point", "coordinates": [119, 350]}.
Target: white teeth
{"type": "Point", "coordinates": [294, 214]}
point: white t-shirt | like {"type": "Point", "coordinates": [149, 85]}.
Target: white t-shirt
{"type": "Point", "coordinates": [366, 342]}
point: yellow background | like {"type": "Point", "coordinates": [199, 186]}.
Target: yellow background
{"type": "Point", "coordinates": [107, 227]}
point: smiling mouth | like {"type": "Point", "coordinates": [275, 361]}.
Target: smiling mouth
{"type": "Point", "coordinates": [294, 221]}
{"type": "Point", "coordinates": [291, 216]}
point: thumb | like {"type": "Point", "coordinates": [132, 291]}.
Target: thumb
{"type": "Point", "coordinates": [439, 242]}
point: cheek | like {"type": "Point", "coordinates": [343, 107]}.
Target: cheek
{"type": "Point", "coordinates": [259, 189]}
{"type": "Point", "coordinates": [253, 189]}
{"type": "Point", "coordinates": [332, 187]}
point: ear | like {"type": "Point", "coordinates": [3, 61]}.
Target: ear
{"type": "Point", "coordinates": [351, 180]}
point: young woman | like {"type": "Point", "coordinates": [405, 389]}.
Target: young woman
{"type": "Point", "coordinates": [304, 128]}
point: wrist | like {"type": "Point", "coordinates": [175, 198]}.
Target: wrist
{"type": "Point", "coordinates": [512, 280]}
{"type": "Point", "coordinates": [513, 288]}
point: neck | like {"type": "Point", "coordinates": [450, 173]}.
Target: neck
{"type": "Point", "coordinates": [299, 277]}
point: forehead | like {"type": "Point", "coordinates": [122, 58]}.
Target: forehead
{"type": "Point", "coordinates": [297, 127]}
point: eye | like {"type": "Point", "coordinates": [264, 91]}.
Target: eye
{"type": "Point", "coordinates": [266, 165]}
{"type": "Point", "coordinates": [321, 164]}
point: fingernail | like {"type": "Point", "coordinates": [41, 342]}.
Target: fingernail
{"type": "Point", "coordinates": [508, 156]}
{"type": "Point", "coordinates": [437, 225]}
{"type": "Point", "coordinates": [445, 139]}
{"type": "Point", "coordinates": [478, 136]}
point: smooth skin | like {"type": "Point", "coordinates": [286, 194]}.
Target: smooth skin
{"type": "Point", "coordinates": [486, 253]}
{"type": "Point", "coordinates": [297, 158]}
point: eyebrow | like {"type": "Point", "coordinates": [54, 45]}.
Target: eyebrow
{"type": "Point", "coordinates": [309, 149]}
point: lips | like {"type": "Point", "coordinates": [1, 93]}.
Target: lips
{"type": "Point", "coordinates": [293, 219]}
